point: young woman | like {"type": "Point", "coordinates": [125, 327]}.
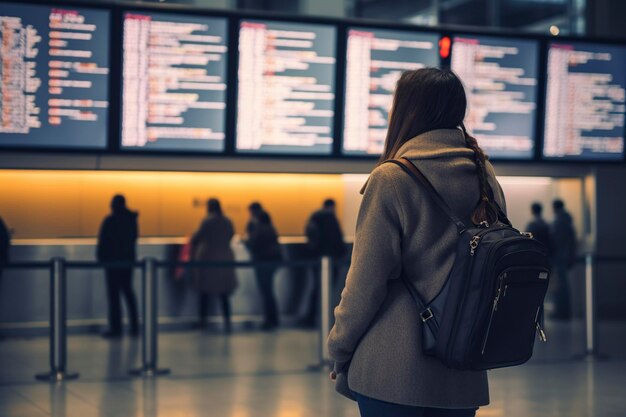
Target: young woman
{"type": "Point", "coordinates": [376, 340]}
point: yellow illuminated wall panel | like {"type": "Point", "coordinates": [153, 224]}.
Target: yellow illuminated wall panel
{"type": "Point", "coordinates": [42, 204]}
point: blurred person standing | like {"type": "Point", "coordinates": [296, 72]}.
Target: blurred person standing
{"type": "Point", "coordinates": [255, 209]}
{"type": "Point", "coordinates": [563, 237]}
{"type": "Point", "coordinates": [540, 230]}
{"type": "Point", "coordinates": [117, 243]}
{"type": "Point", "coordinates": [263, 245]}
{"type": "Point", "coordinates": [538, 226]}
{"type": "Point", "coordinates": [324, 238]}
{"type": "Point", "coordinates": [5, 244]}
{"type": "Point", "coordinates": [212, 242]}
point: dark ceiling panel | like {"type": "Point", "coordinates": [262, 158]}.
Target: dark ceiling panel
{"type": "Point", "coordinates": [519, 14]}
{"type": "Point", "coordinates": [464, 12]}
{"type": "Point", "coordinates": [385, 9]}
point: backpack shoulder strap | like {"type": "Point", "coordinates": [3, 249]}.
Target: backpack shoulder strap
{"type": "Point", "coordinates": [424, 311]}
{"type": "Point", "coordinates": [419, 178]}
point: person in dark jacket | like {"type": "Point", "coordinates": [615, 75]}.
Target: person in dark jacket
{"type": "Point", "coordinates": [212, 243]}
{"type": "Point", "coordinates": [5, 244]}
{"type": "Point", "coordinates": [263, 246]}
{"type": "Point", "coordinates": [324, 238]}
{"type": "Point", "coordinates": [538, 226]}
{"type": "Point", "coordinates": [255, 209]}
{"type": "Point", "coordinates": [117, 243]}
{"type": "Point", "coordinates": [323, 232]}
{"type": "Point", "coordinates": [563, 238]}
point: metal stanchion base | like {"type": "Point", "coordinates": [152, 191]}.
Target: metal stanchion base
{"type": "Point", "coordinates": [56, 376]}
{"type": "Point", "coordinates": [148, 372]}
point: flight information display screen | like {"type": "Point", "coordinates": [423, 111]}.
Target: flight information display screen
{"type": "Point", "coordinates": [286, 91]}
{"type": "Point", "coordinates": [174, 82]}
{"type": "Point", "coordinates": [500, 77]}
{"type": "Point", "coordinates": [585, 101]}
{"type": "Point", "coordinates": [54, 74]}
{"type": "Point", "coordinates": [375, 60]}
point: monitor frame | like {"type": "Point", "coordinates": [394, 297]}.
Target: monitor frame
{"type": "Point", "coordinates": [110, 114]}
{"type": "Point", "coordinates": [117, 9]}
{"type": "Point", "coordinates": [565, 159]}
{"type": "Point", "coordinates": [116, 144]}
{"type": "Point", "coordinates": [539, 87]}
{"type": "Point", "coordinates": [244, 153]}
{"type": "Point", "coordinates": [339, 137]}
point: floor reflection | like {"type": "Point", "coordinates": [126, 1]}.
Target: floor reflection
{"type": "Point", "coordinates": [254, 374]}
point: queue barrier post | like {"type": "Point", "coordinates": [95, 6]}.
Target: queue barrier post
{"type": "Point", "coordinates": [591, 328]}
{"type": "Point", "coordinates": [149, 328]}
{"type": "Point", "coordinates": [58, 325]}
{"type": "Point", "coordinates": [326, 279]}
{"type": "Point", "coordinates": [325, 306]}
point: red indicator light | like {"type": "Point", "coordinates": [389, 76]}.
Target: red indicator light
{"type": "Point", "coordinates": [444, 47]}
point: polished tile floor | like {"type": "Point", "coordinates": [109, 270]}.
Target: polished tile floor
{"type": "Point", "coordinates": [250, 374]}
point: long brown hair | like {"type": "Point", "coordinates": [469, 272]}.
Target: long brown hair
{"type": "Point", "coordinates": [429, 99]}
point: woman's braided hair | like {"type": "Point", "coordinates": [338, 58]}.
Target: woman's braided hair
{"type": "Point", "coordinates": [486, 209]}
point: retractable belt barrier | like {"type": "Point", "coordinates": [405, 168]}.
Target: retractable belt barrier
{"type": "Point", "coordinates": [149, 336]}
{"type": "Point", "coordinates": [149, 292]}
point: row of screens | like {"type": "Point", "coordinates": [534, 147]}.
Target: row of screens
{"type": "Point", "coordinates": [55, 75]}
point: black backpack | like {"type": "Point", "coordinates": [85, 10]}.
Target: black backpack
{"type": "Point", "coordinates": [491, 304]}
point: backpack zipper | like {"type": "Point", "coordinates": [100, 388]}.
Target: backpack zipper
{"type": "Point", "coordinates": [474, 244]}
{"type": "Point", "coordinates": [541, 333]}
{"type": "Point", "coordinates": [478, 236]}
{"type": "Point", "coordinates": [493, 311]}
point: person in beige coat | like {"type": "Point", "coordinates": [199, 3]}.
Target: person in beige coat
{"type": "Point", "coordinates": [212, 243]}
{"type": "Point", "coordinates": [376, 339]}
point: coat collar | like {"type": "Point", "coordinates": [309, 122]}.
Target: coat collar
{"type": "Point", "coordinates": [441, 143]}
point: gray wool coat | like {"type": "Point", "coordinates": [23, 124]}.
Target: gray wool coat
{"type": "Point", "coordinates": [376, 340]}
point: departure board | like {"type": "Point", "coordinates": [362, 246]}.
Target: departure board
{"type": "Point", "coordinates": [585, 101]}
{"type": "Point", "coordinates": [375, 60]}
{"type": "Point", "coordinates": [174, 82]}
{"type": "Point", "coordinates": [54, 74]}
{"type": "Point", "coordinates": [500, 77]}
{"type": "Point", "coordinates": [286, 91]}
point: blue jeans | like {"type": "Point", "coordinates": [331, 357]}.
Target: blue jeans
{"type": "Point", "coordinates": [370, 407]}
